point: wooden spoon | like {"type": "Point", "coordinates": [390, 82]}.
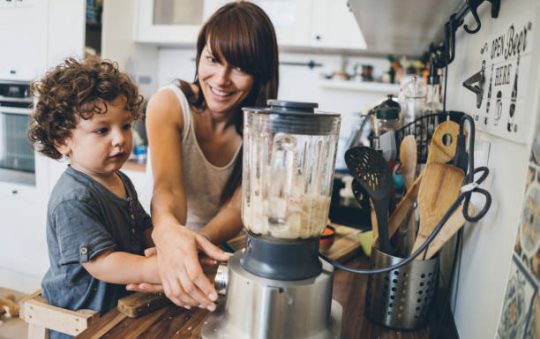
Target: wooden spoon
{"type": "Point", "coordinates": [438, 190]}
{"type": "Point", "coordinates": [406, 234]}
{"type": "Point", "coordinates": [408, 157]}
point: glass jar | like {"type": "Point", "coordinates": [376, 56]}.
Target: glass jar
{"type": "Point", "coordinates": [288, 167]}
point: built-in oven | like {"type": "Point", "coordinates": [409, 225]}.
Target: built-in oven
{"type": "Point", "coordinates": [17, 160]}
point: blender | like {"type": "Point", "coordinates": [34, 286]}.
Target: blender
{"type": "Point", "coordinates": [277, 287]}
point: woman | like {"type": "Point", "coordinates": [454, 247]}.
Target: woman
{"type": "Point", "coordinates": [195, 136]}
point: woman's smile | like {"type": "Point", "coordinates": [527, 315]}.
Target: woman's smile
{"type": "Point", "coordinates": [221, 93]}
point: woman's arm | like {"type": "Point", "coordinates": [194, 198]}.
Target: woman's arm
{"type": "Point", "coordinates": [182, 277]}
{"type": "Point", "coordinates": [227, 222]}
{"type": "Point", "coordinates": [164, 123]}
{"type": "Point", "coordinates": [123, 268]}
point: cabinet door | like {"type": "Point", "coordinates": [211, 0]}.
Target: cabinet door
{"type": "Point", "coordinates": [23, 245]}
{"type": "Point", "coordinates": [292, 20]}
{"type": "Point", "coordinates": [172, 21]}
{"type": "Point", "coordinates": [334, 26]}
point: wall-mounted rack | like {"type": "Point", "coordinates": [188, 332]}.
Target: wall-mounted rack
{"type": "Point", "coordinates": [443, 53]}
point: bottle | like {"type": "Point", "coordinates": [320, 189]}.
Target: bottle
{"type": "Point", "coordinates": [511, 126]}
{"type": "Point", "coordinates": [433, 95]}
{"type": "Point", "coordinates": [414, 94]}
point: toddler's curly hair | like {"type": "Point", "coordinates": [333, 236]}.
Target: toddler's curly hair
{"type": "Point", "coordinates": [71, 91]}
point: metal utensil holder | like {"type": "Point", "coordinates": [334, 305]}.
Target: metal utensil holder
{"type": "Point", "coordinates": [423, 128]}
{"type": "Point", "coordinates": [401, 298]}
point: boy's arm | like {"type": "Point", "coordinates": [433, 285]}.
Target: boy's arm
{"type": "Point", "coordinates": [148, 238]}
{"type": "Point", "coordinates": [123, 268]}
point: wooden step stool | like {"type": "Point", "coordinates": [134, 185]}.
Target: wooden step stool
{"type": "Point", "coordinates": [42, 317]}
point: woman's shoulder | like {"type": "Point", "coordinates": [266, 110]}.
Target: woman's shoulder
{"type": "Point", "coordinates": [165, 105]}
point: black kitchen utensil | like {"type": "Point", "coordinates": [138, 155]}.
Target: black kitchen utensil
{"type": "Point", "coordinates": [360, 194]}
{"type": "Point", "coordinates": [369, 168]}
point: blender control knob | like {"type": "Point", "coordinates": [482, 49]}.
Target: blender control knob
{"type": "Point", "coordinates": [222, 279]}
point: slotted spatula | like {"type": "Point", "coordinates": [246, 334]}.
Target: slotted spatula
{"type": "Point", "coordinates": [360, 194]}
{"type": "Point", "coordinates": [369, 168]}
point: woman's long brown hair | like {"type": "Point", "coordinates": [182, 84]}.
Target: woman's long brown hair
{"type": "Point", "coordinates": [244, 36]}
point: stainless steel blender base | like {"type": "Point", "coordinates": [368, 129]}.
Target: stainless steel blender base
{"type": "Point", "coordinates": [216, 327]}
{"type": "Point", "coordinates": [259, 308]}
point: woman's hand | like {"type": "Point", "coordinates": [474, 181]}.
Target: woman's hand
{"type": "Point", "coordinates": [156, 288]}
{"type": "Point", "coordinates": [182, 276]}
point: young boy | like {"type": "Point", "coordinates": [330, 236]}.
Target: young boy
{"type": "Point", "coordinates": [97, 230]}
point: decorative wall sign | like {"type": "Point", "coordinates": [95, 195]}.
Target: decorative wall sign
{"type": "Point", "coordinates": [507, 59]}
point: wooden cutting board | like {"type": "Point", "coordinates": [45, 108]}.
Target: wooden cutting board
{"type": "Point", "coordinates": [346, 244]}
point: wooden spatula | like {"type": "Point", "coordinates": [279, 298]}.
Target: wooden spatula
{"type": "Point", "coordinates": [438, 190]}
{"type": "Point", "coordinates": [456, 221]}
{"type": "Point", "coordinates": [442, 147]}
{"type": "Point", "coordinates": [439, 152]}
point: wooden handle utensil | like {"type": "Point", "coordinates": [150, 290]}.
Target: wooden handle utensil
{"type": "Point", "coordinates": [438, 190]}
{"type": "Point", "coordinates": [456, 221]}
{"type": "Point", "coordinates": [408, 157]}
{"type": "Point", "coordinates": [440, 151]}
{"type": "Point", "coordinates": [442, 147]}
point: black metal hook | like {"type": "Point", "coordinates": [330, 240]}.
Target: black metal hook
{"type": "Point", "coordinates": [473, 6]}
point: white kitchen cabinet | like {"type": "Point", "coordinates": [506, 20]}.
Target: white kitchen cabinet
{"type": "Point", "coordinates": [298, 23]}
{"type": "Point", "coordinates": [334, 26]}
{"type": "Point", "coordinates": [172, 21]}
{"type": "Point", "coordinates": [314, 23]}
{"type": "Point", "coordinates": [23, 246]}
{"type": "Point", "coordinates": [292, 20]}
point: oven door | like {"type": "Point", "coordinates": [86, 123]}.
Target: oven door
{"type": "Point", "coordinates": [17, 160]}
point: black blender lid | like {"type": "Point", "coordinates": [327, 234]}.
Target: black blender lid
{"type": "Point", "coordinates": [296, 117]}
{"type": "Point", "coordinates": [284, 106]}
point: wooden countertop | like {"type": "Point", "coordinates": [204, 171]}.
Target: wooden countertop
{"type": "Point", "coordinates": [175, 322]}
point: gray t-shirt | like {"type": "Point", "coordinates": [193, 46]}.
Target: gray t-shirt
{"type": "Point", "coordinates": [84, 219]}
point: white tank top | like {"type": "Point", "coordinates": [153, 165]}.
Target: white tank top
{"type": "Point", "coordinates": [203, 182]}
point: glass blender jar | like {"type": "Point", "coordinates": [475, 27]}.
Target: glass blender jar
{"type": "Point", "coordinates": [288, 169]}
{"type": "Point", "coordinates": [278, 281]}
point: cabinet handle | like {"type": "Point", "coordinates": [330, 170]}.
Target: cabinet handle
{"type": "Point", "coordinates": [318, 37]}
{"type": "Point", "coordinates": [14, 191]}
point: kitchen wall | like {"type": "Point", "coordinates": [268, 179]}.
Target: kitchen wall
{"type": "Point", "coordinates": [487, 251]}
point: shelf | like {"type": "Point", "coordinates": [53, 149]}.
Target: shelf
{"type": "Point", "coordinates": [375, 87]}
